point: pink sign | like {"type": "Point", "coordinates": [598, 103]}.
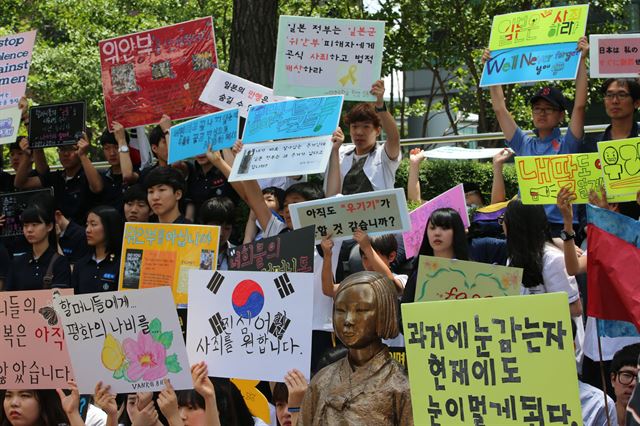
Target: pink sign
{"type": "Point", "coordinates": [33, 354]}
{"type": "Point", "coordinates": [453, 198]}
{"type": "Point", "coordinates": [615, 55]}
{"type": "Point", "coordinates": [15, 58]}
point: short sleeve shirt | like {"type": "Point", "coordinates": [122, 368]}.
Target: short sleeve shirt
{"type": "Point", "coordinates": [73, 196]}
{"type": "Point", "coordinates": [379, 168]}
{"type": "Point", "coordinates": [28, 273]}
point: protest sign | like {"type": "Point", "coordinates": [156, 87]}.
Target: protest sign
{"type": "Point", "coordinates": [459, 153]}
{"type": "Point", "coordinates": [56, 124]}
{"type": "Point", "coordinates": [292, 157]}
{"type": "Point", "coordinates": [326, 56]}
{"type": "Point", "coordinates": [12, 204]}
{"type": "Point", "coordinates": [297, 118]}
{"type": "Point", "coordinates": [453, 198]}
{"type": "Point", "coordinates": [289, 252]}
{"type": "Point", "coordinates": [374, 212]}
{"type": "Point", "coordinates": [452, 279]}
{"type": "Point", "coordinates": [218, 130]}
{"type": "Point", "coordinates": [15, 57]}
{"type": "Point", "coordinates": [250, 325]}
{"type": "Point", "coordinates": [256, 402]}
{"type": "Point", "coordinates": [491, 361]}
{"type": "Point", "coordinates": [33, 353]}
{"type": "Point", "coordinates": [225, 91]}
{"type": "Point", "coordinates": [161, 254]}
{"type": "Point", "coordinates": [156, 72]}
{"type": "Point", "coordinates": [127, 340]}
{"type": "Point", "coordinates": [614, 55]}
{"type": "Point", "coordinates": [621, 167]}
{"type": "Point", "coordinates": [9, 124]}
{"type": "Point", "coordinates": [542, 26]}
{"type": "Point", "coordinates": [531, 63]}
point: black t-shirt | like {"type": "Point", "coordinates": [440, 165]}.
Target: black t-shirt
{"type": "Point", "coordinates": [114, 187]}
{"type": "Point", "coordinates": [28, 273]}
{"type": "Point", "coordinates": [5, 262]}
{"type": "Point", "coordinates": [202, 186]}
{"type": "Point", "coordinates": [182, 220]}
{"type": "Point", "coordinates": [74, 242]}
{"type": "Point", "coordinates": [73, 196]}
{"type": "Point", "coordinates": [90, 276]}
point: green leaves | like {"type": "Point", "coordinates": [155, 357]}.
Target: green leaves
{"type": "Point", "coordinates": [172, 364]}
{"type": "Point", "coordinates": [166, 339]}
{"type": "Point", "coordinates": [155, 328]}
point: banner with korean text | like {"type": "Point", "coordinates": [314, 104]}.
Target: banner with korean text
{"type": "Point", "coordinates": [614, 55]}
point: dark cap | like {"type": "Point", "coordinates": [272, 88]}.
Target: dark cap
{"type": "Point", "coordinates": [551, 95]}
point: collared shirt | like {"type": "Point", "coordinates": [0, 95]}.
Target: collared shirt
{"type": "Point", "coordinates": [73, 242]}
{"type": "Point", "coordinates": [182, 220]}
{"type": "Point", "coordinates": [91, 276]}
{"type": "Point", "coordinates": [594, 412]}
{"type": "Point", "coordinates": [28, 273]}
{"type": "Point", "coordinates": [113, 189]}
{"type": "Point", "coordinates": [592, 146]}
{"type": "Point", "coordinates": [201, 186]}
{"type": "Point", "coordinates": [73, 196]}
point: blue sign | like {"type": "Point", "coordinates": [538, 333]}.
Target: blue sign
{"type": "Point", "coordinates": [298, 118]}
{"type": "Point", "coordinates": [531, 63]}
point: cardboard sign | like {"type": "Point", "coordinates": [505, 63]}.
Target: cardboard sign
{"type": "Point", "coordinates": [451, 279]}
{"type": "Point", "coordinates": [15, 57]}
{"type": "Point", "coordinates": [502, 353]}
{"type": "Point", "coordinates": [9, 124]}
{"type": "Point", "coordinates": [56, 124]}
{"type": "Point", "coordinates": [289, 252]}
{"type": "Point", "coordinates": [289, 158]}
{"type": "Point", "coordinates": [374, 212]}
{"type": "Point", "coordinates": [33, 353]}
{"type": "Point", "coordinates": [453, 198]}
{"type": "Point", "coordinates": [459, 153]}
{"type": "Point", "coordinates": [621, 167]}
{"type": "Point", "coordinates": [326, 56]}
{"type": "Point", "coordinates": [614, 55]}
{"type": "Point", "coordinates": [128, 340]}
{"type": "Point", "coordinates": [227, 91]}
{"type": "Point", "coordinates": [157, 255]}
{"type": "Point", "coordinates": [12, 204]}
{"type": "Point", "coordinates": [156, 72]}
{"type": "Point", "coordinates": [298, 118]}
{"type": "Point", "coordinates": [250, 325]}
{"type": "Point", "coordinates": [218, 130]}
{"type": "Point", "coordinates": [552, 25]}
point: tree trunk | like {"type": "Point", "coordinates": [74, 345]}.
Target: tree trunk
{"type": "Point", "coordinates": [253, 40]}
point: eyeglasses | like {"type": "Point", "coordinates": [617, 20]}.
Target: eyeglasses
{"type": "Point", "coordinates": [625, 377]}
{"type": "Point", "coordinates": [500, 219]}
{"type": "Point", "coordinates": [544, 111]}
{"type": "Point", "coordinates": [621, 96]}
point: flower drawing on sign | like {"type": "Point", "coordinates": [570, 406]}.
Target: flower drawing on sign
{"type": "Point", "coordinates": [142, 358]}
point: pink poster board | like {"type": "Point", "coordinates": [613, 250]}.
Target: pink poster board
{"type": "Point", "coordinates": [15, 57]}
{"type": "Point", "coordinates": [614, 55]}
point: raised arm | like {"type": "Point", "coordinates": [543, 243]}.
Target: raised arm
{"type": "Point", "coordinates": [377, 264]}
{"type": "Point", "coordinates": [574, 264]}
{"type": "Point", "coordinates": [329, 287]}
{"type": "Point", "coordinates": [498, 192]}
{"type": "Point", "coordinates": [392, 145]}
{"type": "Point", "coordinates": [93, 177]}
{"type": "Point", "coordinates": [416, 156]}
{"type": "Point", "coordinates": [576, 124]}
{"type": "Point", "coordinates": [505, 120]}
{"type": "Point", "coordinates": [126, 166]}
{"type": "Point", "coordinates": [71, 404]}
{"type": "Point", "coordinates": [218, 161]}
{"type": "Point", "coordinates": [334, 180]}
{"type": "Point", "coordinates": [202, 384]}
{"type": "Point", "coordinates": [22, 179]}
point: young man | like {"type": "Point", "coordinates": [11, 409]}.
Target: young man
{"type": "Point", "coordinates": [624, 373]}
{"type": "Point", "coordinates": [120, 173]}
{"type": "Point", "coordinates": [165, 187]}
{"type": "Point", "coordinates": [220, 211]}
{"type": "Point", "coordinates": [136, 205]}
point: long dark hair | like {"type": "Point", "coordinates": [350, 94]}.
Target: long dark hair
{"type": "Point", "coordinates": [51, 412]}
{"type": "Point", "coordinates": [40, 210]}
{"type": "Point", "coordinates": [113, 226]}
{"type": "Point", "coordinates": [527, 233]}
{"type": "Point", "coordinates": [447, 218]}
{"type": "Point", "coordinates": [232, 409]}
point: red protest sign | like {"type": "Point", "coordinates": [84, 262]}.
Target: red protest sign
{"type": "Point", "coordinates": [160, 71]}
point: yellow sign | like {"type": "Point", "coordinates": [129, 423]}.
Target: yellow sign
{"type": "Point", "coordinates": [256, 402]}
{"type": "Point", "coordinates": [157, 254]}
{"type": "Point", "coordinates": [621, 167]}
{"type": "Point", "coordinates": [542, 26]}
{"type": "Point", "coordinates": [495, 361]}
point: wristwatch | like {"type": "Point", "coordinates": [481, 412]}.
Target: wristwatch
{"type": "Point", "coordinates": [123, 148]}
{"type": "Point", "coordinates": [565, 236]}
{"type": "Point", "coordinates": [383, 109]}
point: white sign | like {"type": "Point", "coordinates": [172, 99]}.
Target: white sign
{"type": "Point", "coordinates": [458, 153]}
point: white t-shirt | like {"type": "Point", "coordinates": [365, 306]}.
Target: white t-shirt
{"type": "Point", "coordinates": [379, 168]}
{"type": "Point", "coordinates": [554, 276]}
{"type": "Point", "coordinates": [95, 416]}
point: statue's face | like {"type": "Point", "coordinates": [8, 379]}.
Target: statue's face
{"type": "Point", "coordinates": [354, 316]}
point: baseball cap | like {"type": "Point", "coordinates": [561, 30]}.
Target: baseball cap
{"type": "Point", "coordinates": [551, 95]}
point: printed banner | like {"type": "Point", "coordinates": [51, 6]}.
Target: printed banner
{"type": "Point", "coordinates": [9, 124]}
{"type": "Point", "coordinates": [250, 325]}
{"type": "Point", "coordinates": [542, 26]}
{"type": "Point", "coordinates": [15, 56]}
{"type": "Point", "coordinates": [451, 279]}
{"type": "Point", "coordinates": [621, 167]}
{"type": "Point", "coordinates": [33, 353]}
{"type": "Point", "coordinates": [453, 198]}
{"type": "Point", "coordinates": [218, 130]}
{"type": "Point", "coordinates": [226, 91]}
{"type": "Point", "coordinates": [490, 361]}
{"type": "Point", "coordinates": [325, 56]}
{"type": "Point", "coordinates": [56, 124]}
{"type": "Point", "coordinates": [298, 118]}
{"type": "Point", "coordinates": [12, 204]}
{"type": "Point", "coordinates": [614, 55]}
{"type": "Point", "coordinates": [531, 63]}
{"type": "Point", "coordinates": [156, 72]}
{"type": "Point", "coordinates": [289, 252]}
{"type": "Point", "coordinates": [459, 153]}
{"type": "Point", "coordinates": [374, 212]}
{"type": "Point", "coordinates": [159, 254]}
{"type": "Point", "coordinates": [129, 341]}
{"type": "Point", "coordinates": [292, 157]}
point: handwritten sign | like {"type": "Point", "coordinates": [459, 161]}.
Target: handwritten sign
{"type": "Point", "coordinates": [156, 72]}
{"type": "Point", "coordinates": [298, 118]}
{"type": "Point", "coordinates": [129, 341]}
{"type": "Point", "coordinates": [227, 91]}
{"type": "Point", "coordinates": [15, 57]}
{"type": "Point", "coordinates": [56, 124]}
{"type": "Point", "coordinates": [459, 153]}
{"type": "Point", "coordinates": [373, 212]}
{"type": "Point", "coordinates": [531, 63]}
{"type": "Point", "coordinates": [614, 55]}
{"type": "Point", "coordinates": [289, 252]}
{"type": "Point", "coordinates": [325, 56]}
{"type": "Point", "coordinates": [621, 167]}
{"type": "Point", "coordinates": [250, 325]}
{"type": "Point", "coordinates": [490, 361]}
{"type": "Point", "coordinates": [218, 130]}
{"type": "Point", "coordinates": [451, 279]}
{"type": "Point", "coordinates": [293, 157]}
{"type": "Point", "coordinates": [9, 124]}
{"type": "Point", "coordinates": [453, 198]}
{"type": "Point", "coordinates": [12, 204]}
{"type": "Point", "coordinates": [542, 26]}
{"type": "Point", "coordinates": [156, 255]}
{"type": "Point", "coordinates": [33, 353]}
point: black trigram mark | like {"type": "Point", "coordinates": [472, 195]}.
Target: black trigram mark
{"type": "Point", "coordinates": [284, 286]}
{"type": "Point", "coordinates": [215, 282]}
{"type": "Point", "coordinates": [216, 324]}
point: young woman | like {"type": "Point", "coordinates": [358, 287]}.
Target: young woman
{"type": "Point", "coordinates": [40, 407]}
{"type": "Point", "coordinates": [98, 270]}
{"type": "Point", "coordinates": [287, 397]}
